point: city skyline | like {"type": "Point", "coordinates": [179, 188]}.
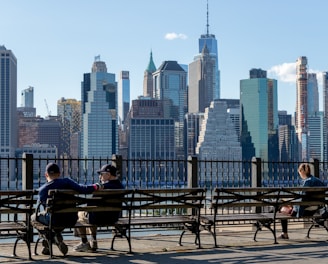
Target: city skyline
{"type": "Point", "coordinates": [56, 42]}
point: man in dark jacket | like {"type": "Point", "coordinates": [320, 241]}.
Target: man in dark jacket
{"type": "Point", "coordinates": [54, 181]}
{"type": "Point", "coordinates": [109, 180]}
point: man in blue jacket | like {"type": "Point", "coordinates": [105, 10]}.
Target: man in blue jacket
{"type": "Point", "coordinates": [52, 174]}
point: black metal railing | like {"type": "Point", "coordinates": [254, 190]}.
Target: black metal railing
{"type": "Point", "coordinates": [28, 172]}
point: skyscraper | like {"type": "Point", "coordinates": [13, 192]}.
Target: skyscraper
{"type": "Point", "coordinates": [325, 94]}
{"type": "Point", "coordinates": [313, 94]}
{"type": "Point", "coordinates": [148, 78]}
{"type": "Point", "coordinates": [150, 135]}
{"type": "Point", "coordinates": [170, 85]}
{"type": "Point", "coordinates": [259, 117]}
{"type": "Point", "coordinates": [123, 96]}
{"type": "Point", "coordinates": [69, 114]}
{"type": "Point", "coordinates": [99, 136]}
{"type": "Point", "coordinates": [8, 103]}
{"type": "Point", "coordinates": [28, 97]}
{"type": "Point", "coordinates": [209, 41]}
{"type": "Point", "coordinates": [287, 138]}
{"type": "Point", "coordinates": [202, 81]}
{"type": "Point", "coordinates": [27, 103]}
{"type": "Point", "coordinates": [317, 139]}
{"type": "Point", "coordinates": [301, 115]}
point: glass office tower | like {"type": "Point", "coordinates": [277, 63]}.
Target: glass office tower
{"type": "Point", "coordinates": [170, 85]}
{"type": "Point", "coordinates": [259, 117]}
{"type": "Point", "coordinates": [99, 136]}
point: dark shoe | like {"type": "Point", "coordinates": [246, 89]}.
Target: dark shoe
{"type": "Point", "coordinates": [45, 250]}
{"type": "Point", "coordinates": [61, 245]}
{"type": "Point", "coordinates": [283, 236]}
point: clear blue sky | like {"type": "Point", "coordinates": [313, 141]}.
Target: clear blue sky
{"type": "Point", "coordinates": [55, 41]}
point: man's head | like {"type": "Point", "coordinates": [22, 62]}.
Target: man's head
{"type": "Point", "coordinates": [52, 171]}
{"type": "Point", "coordinates": [107, 172]}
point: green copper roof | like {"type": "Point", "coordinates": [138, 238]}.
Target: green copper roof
{"type": "Point", "coordinates": [151, 66]}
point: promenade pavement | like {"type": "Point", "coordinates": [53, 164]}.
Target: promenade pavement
{"type": "Point", "coordinates": [234, 247]}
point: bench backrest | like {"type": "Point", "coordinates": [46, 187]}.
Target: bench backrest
{"type": "Point", "coordinates": [68, 201]}
{"type": "Point", "coordinates": [16, 205]}
{"type": "Point", "coordinates": [156, 202]}
{"type": "Point", "coordinates": [246, 199]}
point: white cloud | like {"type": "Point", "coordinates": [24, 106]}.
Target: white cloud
{"type": "Point", "coordinates": [173, 35]}
{"type": "Point", "coordinates": [285, 72]}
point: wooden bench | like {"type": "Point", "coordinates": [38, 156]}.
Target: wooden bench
{"type": "Point", "coordinates": [61, 202]}
{"type": "Point", "coordinates": [177, 208]}
{"type": "Point", "coordinates": [260, 207]}
{"type": "Point", "coordinates": [16, 208]}
{"type": "Point", "coordinates": [140, 208]}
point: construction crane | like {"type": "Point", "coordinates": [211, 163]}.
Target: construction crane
{"type": "Point", "coordinates": [49, 112]}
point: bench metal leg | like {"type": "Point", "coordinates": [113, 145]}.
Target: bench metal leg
{"type": "Point", "coordinates": [194, 229]}
{"type": "Point", "coordinates": [23, 236]}
{"type": "Point", "coordinates": [267, 225]}
{"type": "Point", "coordinates": [122, 232]}
{"type": "Point", "coordinates": [319, 222]}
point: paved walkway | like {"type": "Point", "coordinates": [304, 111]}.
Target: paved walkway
{"type": "Point", "coordinates": [235, 247]}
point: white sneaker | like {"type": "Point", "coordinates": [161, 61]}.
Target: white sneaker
{"type": "Point", "coordinates": [82, 247]}
{"type": "Point", "coordinates": [93, 245]}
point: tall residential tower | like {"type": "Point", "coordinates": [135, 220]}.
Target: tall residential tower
{"type": "Point", "coordinates": [301, 116]}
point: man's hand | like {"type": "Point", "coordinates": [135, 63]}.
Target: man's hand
{"type": "Point", "coordinates": [99, 186]}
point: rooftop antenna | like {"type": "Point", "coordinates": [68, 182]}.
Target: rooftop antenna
{"type": "Point", "coordinates": [207, 25]}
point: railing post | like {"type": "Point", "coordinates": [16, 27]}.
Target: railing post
{"type": "Point", "coordinates": [27, 180]}
{"type": "Point", "coordinates": [256, 177]}
{"type": "Point", "coordinates": [117, 161]}
{"type": "Point", "coordinates": [256, 172]}
{"type": "Point", "coordinates": [314, 166]}
{"type": "Point", "coordinates": [27, 172]}
{"type": "Point", "coordinates": [192, 172]}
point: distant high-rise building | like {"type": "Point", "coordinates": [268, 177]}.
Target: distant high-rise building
{"type": "Point", "coordinates": [317, 140]}
{"type": "Point", "coordinates": [202, 81]}
{"type": "Point", "coordinates": [99, 133]}
{"type": "Point", "coordinates": [287, 138]}
{"type": "Point", "coordinates": [123, 96]}
{"type": "Point", "coordinates": [28, 97]}
{"type": "Point", "coordinates": [150, 134]}
{"type": "Point", "coordinates": [170, 85]}
{"type": "Point", "coordinates": [148, 78]}
{"type": "Point", "coordinates": [313, 94]}
{"type": "Point", "coordinates": [8, 110]}
{"type": "Point", "coordinates": [27, 103]}
{"type": "Point", "coordinates": [325, 94]}
{"type": "Point", "coordinates": [301, 115]}
{"type": "Point", "coordinates": [37, 130]}
{"type": "Point", "coordinates": [69, 114]}
{"type": "Point", "coordinates": [325, 101]}
{"type": "Point", "coordinates": [209, 41]}
{"type": "Point", "coordinates": [218, 140]}
{"type": "Point", "coordinates": [259, 117]}
{"type": "Point", "coordinates": [218, 137]}
{"type": "Point", "coordinates": [193, 124]}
